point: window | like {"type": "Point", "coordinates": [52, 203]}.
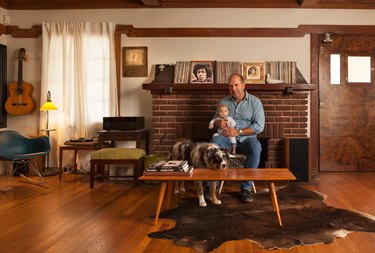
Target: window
{"type": "Point", "coordinates": [335, 69]}
{"type": "Point", "coordinates": [359, 69]}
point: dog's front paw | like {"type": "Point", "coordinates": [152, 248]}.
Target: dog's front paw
{"type": "Point", "coordinates": [202, 204]}
{"type": "Point", "coordinates": [217, 202]}
{"type": "Point", "coordinates": [182, 189]}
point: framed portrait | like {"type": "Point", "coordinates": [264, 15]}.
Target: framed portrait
{"type": "Point", "coordinates": [253, 72]}
{"type": "Point", "coordinates": [202, 71]}
{"type": "Point", "coordinates": [134, 62]}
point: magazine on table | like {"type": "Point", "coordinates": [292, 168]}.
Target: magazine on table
{"type": "Point", "coordinates": [156, 166]}
{"type": "Point", "coordinates": [188, 172]}
{"type": "Point", "coordinates": [174, 165]}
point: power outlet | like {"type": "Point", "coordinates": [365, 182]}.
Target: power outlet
{"type": "Point", "coordinates": [6, 19]}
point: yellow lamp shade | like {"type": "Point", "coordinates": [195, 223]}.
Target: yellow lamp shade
{"type": "Point", "coordinates": [48, 106]}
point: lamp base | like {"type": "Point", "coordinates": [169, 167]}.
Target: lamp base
{"type": "Point", "coordinates": [50, 171]}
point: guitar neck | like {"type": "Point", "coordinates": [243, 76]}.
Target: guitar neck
{"type": "Point", "coordinates": [20, 81]}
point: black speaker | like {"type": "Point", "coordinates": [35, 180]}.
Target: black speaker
{"type": "Point", "coordinates": [297, 157]}
{"type": "Point", "coordinates": [123, 123]}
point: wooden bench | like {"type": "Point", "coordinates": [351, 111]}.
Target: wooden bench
{"type": "Point", "coordinates": [234, 174]}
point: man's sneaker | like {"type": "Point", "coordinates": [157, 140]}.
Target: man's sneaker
{"type": "Point", "coordinates": [246, 196]}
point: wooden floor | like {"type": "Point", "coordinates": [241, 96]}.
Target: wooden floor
{"type": "Point", "coordinates": [114, 217]}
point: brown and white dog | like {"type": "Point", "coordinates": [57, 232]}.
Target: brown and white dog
{"type": "Point", "coordinates": [202, 155]}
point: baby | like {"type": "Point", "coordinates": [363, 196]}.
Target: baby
{"type": "Point", "coordinates": [222, 112]}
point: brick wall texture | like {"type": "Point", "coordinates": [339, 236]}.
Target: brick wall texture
{"type": "Point", "coordinates": [178, 116]}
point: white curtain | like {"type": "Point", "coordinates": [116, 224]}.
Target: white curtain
{"type": "Point", "coordinates": [78, 67]}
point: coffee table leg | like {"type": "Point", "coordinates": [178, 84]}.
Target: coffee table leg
{"type": "Point", "coordinates": [160, 201]}
{"type": "Point", "coordinates": [272, 201]}
{"type": "Point", "coordinates": [271, 187]}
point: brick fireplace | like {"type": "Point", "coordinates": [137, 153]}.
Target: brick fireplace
{"type": "Point", "coordinates": [184, 110]}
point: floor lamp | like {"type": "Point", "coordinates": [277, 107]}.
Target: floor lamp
{"type": "Point", "coordinates": [48, 106]}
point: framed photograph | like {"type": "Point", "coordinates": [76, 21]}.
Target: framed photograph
{"type": "Point", "coordinates": [134, 62]}
{"type": "Point", "coordinates": [202, 71]}
{"type": "Point", "coordinates": [253, 72]}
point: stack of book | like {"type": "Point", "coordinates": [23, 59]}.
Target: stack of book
{"type": "Point", "coordinates": [225, 68]}
{"type": "Point", "coordinates": [170, 168]}
{"type": "Point", "coordinates": [282, 70]}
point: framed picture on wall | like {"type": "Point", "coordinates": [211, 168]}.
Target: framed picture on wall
{"type": "Point", "coordinates": [202, 71]}
{"type": "Point", "coordinates": [253, 72]}
{"type": "Point", "coordinates": [134, 62]}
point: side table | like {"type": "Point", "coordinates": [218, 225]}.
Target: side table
{"type": "Point", "coordinates": [75, 147]}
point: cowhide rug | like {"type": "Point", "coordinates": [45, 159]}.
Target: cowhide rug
{"type": "Point", "coordinates": [306, 220]}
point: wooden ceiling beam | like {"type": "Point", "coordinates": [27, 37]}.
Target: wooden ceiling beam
{"type": "Point", "coordinates": [72, 4]}
{"type": "Point", "coordinates": [229, 4]}
{"type": "Point", "coordinates": [129, 30]}
{"type": "Point", "coordinates": [13, 30]}
{"type": "Point", "coordinates": [4, 4]}
{"type": "Point", "coordinates": [300, 31]}
{"type": "Point", "coordinates": [337, 4]}
{"type": "Point", "coordinates": [129, 4]}
{"type": "Point", "coordinates": [152, 3]}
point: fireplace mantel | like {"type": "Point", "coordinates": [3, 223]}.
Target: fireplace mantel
{"type": "Point", "coordinates": [222, 88]}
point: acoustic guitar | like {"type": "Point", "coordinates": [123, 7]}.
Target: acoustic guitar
{"type": "Point", "coordinates": [20, 99]}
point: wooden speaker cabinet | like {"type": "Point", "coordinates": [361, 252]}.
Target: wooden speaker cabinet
{"type": "Point", "coordinates": [297, 157]}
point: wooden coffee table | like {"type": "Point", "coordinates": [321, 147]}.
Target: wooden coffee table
{"type": "Point", "coordinates": [233, 174]}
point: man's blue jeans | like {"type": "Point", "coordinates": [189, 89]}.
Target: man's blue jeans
{"type": "Point", "coordinates": [250, 147]}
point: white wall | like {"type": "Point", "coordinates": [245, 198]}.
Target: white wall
{"type": "Point", "coordinates": [134, 100]}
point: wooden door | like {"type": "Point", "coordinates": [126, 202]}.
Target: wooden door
{"type": "Point", "coordinates": [347, 110]}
